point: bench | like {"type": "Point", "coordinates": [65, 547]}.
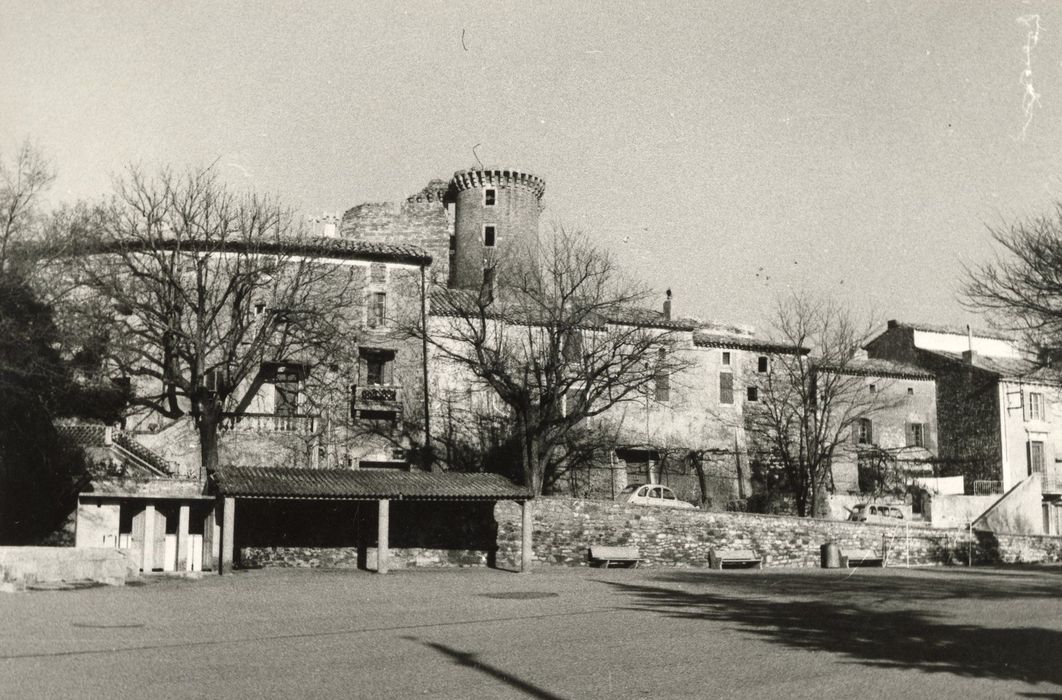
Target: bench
{"type": "Point", "coordinates": [620, 555]}
{"type": "Point", "coordinates": [717, 559]}
{"type": "Point", "coordinates": [861, 557]}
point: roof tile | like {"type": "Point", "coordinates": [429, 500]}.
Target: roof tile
{"type": "Point", "coordinates": [284, 482]}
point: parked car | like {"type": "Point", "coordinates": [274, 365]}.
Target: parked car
{"type": "Point", "coordinates": [875, 513]}
{"type": "Point", "coordinates": [652, 495]}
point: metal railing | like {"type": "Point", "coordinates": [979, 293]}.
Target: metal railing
{"type": "Point", "coordinates": [1051, 481]}
{"type": "Point", "coordinates": [377, 395]}
{"type": "Point", "coordinates": [268, 423]}
{"type": "Point", "coordinates": [987, 487]}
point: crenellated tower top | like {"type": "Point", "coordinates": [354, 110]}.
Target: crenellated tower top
{"type": "Point", "coordinates": [475, 178]}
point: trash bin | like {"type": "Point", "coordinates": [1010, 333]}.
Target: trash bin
{"type": "Point", "coordinates": [831, 556]}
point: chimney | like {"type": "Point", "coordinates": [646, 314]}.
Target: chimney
{"type": "Point", "coordinates": [108, 435]}
{"type": "Point", "coordinates": [969, 356]}
{"type": "Point", "coordinates": [667, 306]}
{"type": "Point", "coordinates": [329, 228]}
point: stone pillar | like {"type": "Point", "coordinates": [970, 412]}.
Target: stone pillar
{"type": "Point", "coordinates": [148, 563]}
{"type": "Point", "coordinates": [184, 561]}
{"type": "Point", "coordinates": [525, 537]}
{"type": "Point", "coordinates": [383, 534]}
{"type": "Point", "coordinates": [228, 526]}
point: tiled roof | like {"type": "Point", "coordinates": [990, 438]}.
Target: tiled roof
{"type": "Point", "coordinates": [1005, 367]}
{"type": "Point", "coordinates": [461, 302]}
{"type": "Point", "coordinates": [281, 482]}
{"type": "Point", "coordinates": [342, 248]}
{"type": "Point", "coordinates": [89, 435]}
{"type": "Point", "coordinates": [719, 340]}
{"type": "Point", "coordinates": [953, 330]}
{"type": "Point", "coordinates": [879, 368]}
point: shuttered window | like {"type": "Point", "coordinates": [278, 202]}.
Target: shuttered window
{"type": "Point", "coordinates": [726, 387]}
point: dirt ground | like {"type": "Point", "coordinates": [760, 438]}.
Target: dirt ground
{"type": "Point", "coordinates": [556, 633]}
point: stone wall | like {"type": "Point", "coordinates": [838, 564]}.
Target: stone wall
{"type": "Point", "coordinates": [565, 528]}
{"type": "Point", "coordinates": [360, 557]}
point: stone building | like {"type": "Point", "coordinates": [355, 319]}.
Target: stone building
{"type": "Point", "coordinates": [893, 439]}
{"type": "Point", "coordinates": [1000, 411]}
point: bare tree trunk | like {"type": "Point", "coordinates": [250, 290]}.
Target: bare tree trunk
{"type": "Point", "coordinates": [209, 419]}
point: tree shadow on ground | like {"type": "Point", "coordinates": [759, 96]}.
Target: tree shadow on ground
{"type": "Point", "coordinates": [894, 584]}
{"type": "Point", "coordinates": [472, 661]}
{"type": "Point", "coordinates": [886, 638]}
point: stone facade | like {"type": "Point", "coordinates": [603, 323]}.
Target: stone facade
{"type": "Point", "coordinates": [424, 219]}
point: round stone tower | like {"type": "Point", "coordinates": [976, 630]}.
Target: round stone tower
{"type": "Point", "coordinates": [496, 214]}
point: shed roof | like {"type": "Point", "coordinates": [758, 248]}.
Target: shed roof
{"type": "Point", "coordinates": [364, 484]}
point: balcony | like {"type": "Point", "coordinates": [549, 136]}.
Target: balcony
{"type": "Point", "coordinates": [1051, 481]}
{"type": "Point", "coordinates": [268, 423]}
{"type": "Point", "coordinates": [378, 397]}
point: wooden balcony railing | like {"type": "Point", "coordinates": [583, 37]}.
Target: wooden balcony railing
{"type": "Point", "coordinates": [268, 423]}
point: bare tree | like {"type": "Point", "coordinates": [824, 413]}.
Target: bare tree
{"type": "Point", "coordinates": [22, 183]}
{"type": "Point", "coordinates": [810, 401]}
{"type": "Point", "coordinates": [1021, 288]}
{"type": "Point", "coordinates": [556, 343]}
{"type": "Point", "coordinates": [200, 286]}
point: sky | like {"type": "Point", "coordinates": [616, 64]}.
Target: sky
{"type": "Point", "coordinates": [731, 152]}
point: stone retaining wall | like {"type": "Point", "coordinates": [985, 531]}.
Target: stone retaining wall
{"type": "Point", "coordinates": [359, 558]}
{"type": "Point", "coordinates": [27, 566]}
{"type": "Point", "coordinates": [564, 529]}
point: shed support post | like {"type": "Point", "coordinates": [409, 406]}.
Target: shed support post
{"type": "Point", "coordinates": [228, 527]}
{"type": "Point", "coordinates": [183, 560]}
{"type": "Point", "coordinates": [149, 538]}
{"type": "Point", "coordinates": [383, 546]}
{"type": "Point", "coordinates": [525, 537]}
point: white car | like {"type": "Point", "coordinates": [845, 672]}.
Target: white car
{"type": "Point", "coordinates": [875, 513]}
{"type": "Point", "coordinates": [652, 495]}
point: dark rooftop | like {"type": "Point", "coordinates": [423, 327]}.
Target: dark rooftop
{"type": "Point", "coordinates": [879, 368]}
{"type": "Point", "coordinates": [282, 482]}
{"type": "Point", "coordinates": [340, 248]}
{"type": "Point", "coordinates": [1006, 367]}
{"type": "Point", "coordinates": [704, 339]}
{"type": "Point", "coordinates": [953, 330]}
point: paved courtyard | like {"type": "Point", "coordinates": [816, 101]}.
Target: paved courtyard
{"type": "Point", "coordinates": [557, 633]}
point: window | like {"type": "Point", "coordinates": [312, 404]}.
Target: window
{"type": "Point", "coordinates": [375, 366]}
{"type": "Point", "coordinates": [662, 378]}
{"type": "Point", "coordinates": [286, 387]}
{"type": "Point", "coordinates": [762, 365]}
{"type": "Point", "coordinates": [873, 388]}
{"type": "Point", "coordinates": [489, 234]}
{"type": "Point", "coordinates": [916, 435]}
{"type": "Point", "coordinates": [1036, 405]}
{"type": "Point", "coordinates": [377, 309]}
{"type": "Point", "coordinates": [726, 358]}
{"type": "Point", "coordinates": [489, 197]}
{"type": "Point", "coordinates": [752, 393]}
{"type": "Point", "coordinates": [726, 387]}
{"type": "Point", "coordinates": [1036, 457]}
{"type": "Point", "coordinates": [213, 381]}
{"type": "Point", "coordinates": [865, 431]}
{"type": "Point", "coordinates": [573, 346]}
{"type": "Point", "coordinates": [910, 391]}
{"type": "Point", "coordinates": [374, 370]}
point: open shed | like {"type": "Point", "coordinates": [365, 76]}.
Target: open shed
{"type": "Point", "coordinates": [290, 509]}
